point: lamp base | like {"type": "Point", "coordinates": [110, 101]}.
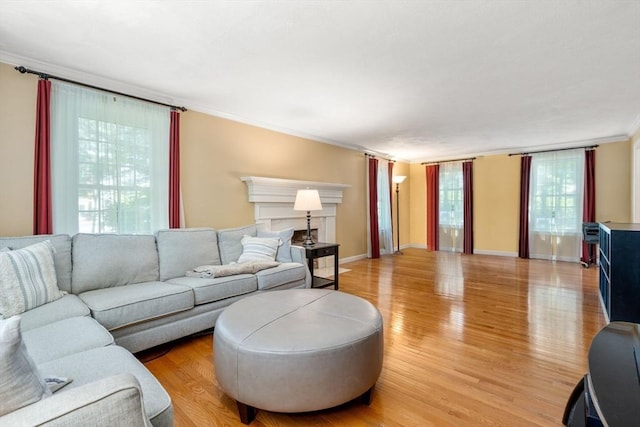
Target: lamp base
{"type": "Point", "coordinates": [308, 241]}
{"type": "Point", "coordinates": [398, 252]}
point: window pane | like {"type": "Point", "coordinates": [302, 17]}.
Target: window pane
{"type": "Point", "coordinates": [555, 193]}
{"type": "Point", "coordinates": [111, 154]}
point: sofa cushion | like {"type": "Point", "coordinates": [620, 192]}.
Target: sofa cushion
{"type": "Point", "coordinates": [62, 256]}
{"type": "Point", "coordinates": [214, 289]}
{"type": "Point", "coordinates": [27, 278]}
{"type": "Point", "coordinates": [286, 272]}
{"type": "Point", "coordinates": [107, 260]}
{"type": "Point", "coordinates": [125, 305]}
{"type": "Point", "coordinates": [285, 236]}
{"type": "Point", "coordinates": [180, 250]}
{"type": "Point", "coordinates": [258, 249]}
{"type": "Point", "coordinates": [229, 242]}
{"type": "Point", "coordinates": [20, 381]}
{"type": "Point", "coordinates": [103, 362]}
{"type": "Point", "coordinates": [66, 307]}
{"type": "Point", "coordinates": [65, 337]}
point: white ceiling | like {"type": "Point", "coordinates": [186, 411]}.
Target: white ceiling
{"type": "Point", "coordinates": [412, 80]}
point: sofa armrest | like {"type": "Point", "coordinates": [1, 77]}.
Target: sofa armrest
{"type": "Point", "coordinates": [116, 400]}
{"type": "Point", "coordinates": [298, 254]}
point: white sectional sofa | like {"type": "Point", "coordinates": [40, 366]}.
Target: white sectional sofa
{"type": "Point", "coordinates": [124, 294]}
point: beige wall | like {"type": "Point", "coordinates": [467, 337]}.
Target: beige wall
{"type": "Point", "coordinates": [613, 182]}
{"type": "Point", "coordinates": [496, 198]}
{"type": "Point", "coordinates": [17, 135]}
{"type": "Point", "coordinates": [496, 186]}
{"type": "Point", "coordinates": [216, 152]}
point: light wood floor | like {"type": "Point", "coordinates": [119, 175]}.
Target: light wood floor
{"type": "Point", "coordinates": [470, 340]}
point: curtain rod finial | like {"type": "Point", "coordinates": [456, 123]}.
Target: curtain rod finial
{"type": "Point", "coordinates": [21, 69]}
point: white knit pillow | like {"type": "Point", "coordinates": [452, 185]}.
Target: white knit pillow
{"type": "Point", "coordinates": [258, 249]}
{"type": "Point", "coordinates": [20, 381]}
{"type": "Point", "coordinates": [27, 278]}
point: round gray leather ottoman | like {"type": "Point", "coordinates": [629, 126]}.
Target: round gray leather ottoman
{"type": "Point", "coordinates": [298, 350]}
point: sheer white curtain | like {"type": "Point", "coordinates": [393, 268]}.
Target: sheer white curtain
{"type": "Point", "coordinates": [109, 162]}
{"type": "Point", "coordinates": [555, 205]}
{"type": "Point", "coordinates": [384, 208]}
{"type": "Point", "coordinates": [451, 215]}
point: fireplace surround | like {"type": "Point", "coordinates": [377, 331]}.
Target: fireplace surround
{"type": "Point", "coordinates": [273, 200]}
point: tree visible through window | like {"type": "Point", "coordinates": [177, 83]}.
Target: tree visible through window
{"type": "Point", "coordinates": [114, 185]}
{"type": "Point", "coordinates": [451, 195]}
{"type": "Point", "coordinates": [110, 161]}
{"type": "Point", "coordinates": [451, 215]}
{"type": "Point", "coordinates": [555, 205]}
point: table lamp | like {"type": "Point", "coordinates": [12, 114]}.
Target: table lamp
{"type": "Point", "coordinates": [308, 200]}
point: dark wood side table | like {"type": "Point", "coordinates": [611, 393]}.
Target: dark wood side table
{"type": "Point", "coordinates": [609, 395]}
{"type": "Point", "coordinates": [320, 250]}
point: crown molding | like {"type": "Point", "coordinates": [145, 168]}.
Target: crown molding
{"type": "Point", "coordinates": [542, 147]}
{"type": "Point", "coordinates": [84, 77]}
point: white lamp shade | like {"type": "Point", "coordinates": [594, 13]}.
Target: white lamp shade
{"type": "Point", "coordinates": [398, 179]}
{"type": "Point", "coordinates": [307, 200]}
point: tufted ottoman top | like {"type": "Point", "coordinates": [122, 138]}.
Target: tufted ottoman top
{"type": "Point", "coordinates": [298, 350]}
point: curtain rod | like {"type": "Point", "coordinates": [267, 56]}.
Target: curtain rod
{"type": "Point", "coordinates": [382, 157]}
{"type": "Point", "coordinates": [586, 147]}
{"type": "Point", "coordinates": [447, 161]}
{"type": "Point", "coordinates": [46, 76]}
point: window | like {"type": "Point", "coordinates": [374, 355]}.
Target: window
{"type": "Point", "coordinates": [384, 208]}
{"type": "Point", "coordinates": [110, 161]}
{"type": "Point", "coordinates": [555, 205]}
{"type": "Point", "coordinates": [451, 215]}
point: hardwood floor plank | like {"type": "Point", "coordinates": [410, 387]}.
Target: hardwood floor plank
{"type": "Point", "coordinates": [470, 340]}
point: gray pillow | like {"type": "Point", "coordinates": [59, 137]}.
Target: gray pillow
{"type": "Point", "coordinates": [229, 242]}
{"type": "Point", "coordinates": [285, 236]}
{"type": "Point", "coordinates": [20, 381]}
{"type": "Point", "coordinates": [27, 279]}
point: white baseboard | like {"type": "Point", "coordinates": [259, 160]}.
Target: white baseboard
{"type": "Point", "coordinates": [421, 246]}
{"type": "Point", "coordinates": [496, 253]}
{"type": "Point", "coordinates": [352, 258]}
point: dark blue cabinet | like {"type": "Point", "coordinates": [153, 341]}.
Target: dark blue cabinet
{"type": "Point", "coordinates": [619, 261]}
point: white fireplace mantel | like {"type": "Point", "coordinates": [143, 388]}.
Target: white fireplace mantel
{"type": "Point", "coordinates": [273, 200]}
{"type": "Point", "coordinates": [277, 190]}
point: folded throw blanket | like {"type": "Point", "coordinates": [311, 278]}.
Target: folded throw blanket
{"type": "Point", "coordinates": [208, 271]}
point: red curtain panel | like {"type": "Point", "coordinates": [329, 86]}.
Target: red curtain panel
{"type": "Point", "coordinates": [525, 177]}
{"type": "Point", "coordinates": [373, 207]}
{"type": "Point", "coordinates": [174, 170]}
{"type": "Point", "coordinates": [42, 205]}
{"type": "Point", "coordinates": [467, 185]}
{"type": "Point", "coordinates": [433, 208]}
{"type": "Point", "coordinates": [589, 200]}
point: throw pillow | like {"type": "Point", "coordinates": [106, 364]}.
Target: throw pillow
{"type": "Point", "coordinates": [285, 236]}
{"type": "Point", "coordinates": [27, 278]}
{"type": "Point", "coordinates": [258, 249]}
{"type": "Point", "coordinates": [20, 381]}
